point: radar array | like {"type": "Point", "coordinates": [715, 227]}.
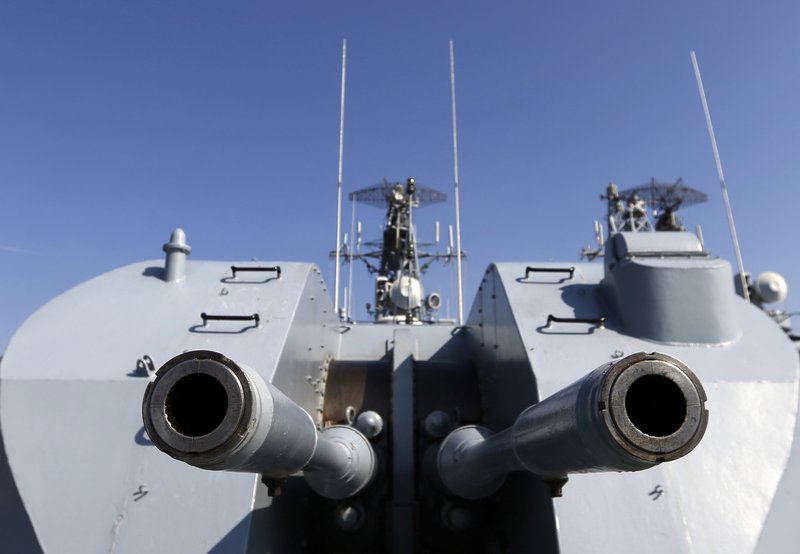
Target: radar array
{"type": "Point", "coordinates": [381, 195]}
{"type": "Point", "coordinates": [665, 199]}
{"type": "Point", "coordinates": [628, 210]}
{"type": "Point", "coordinates": [397, 259]}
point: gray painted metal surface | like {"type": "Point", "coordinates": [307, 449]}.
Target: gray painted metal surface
{"type": "Point", "coordinates": [89, 477]}
{"type": "Point", "coordinates": [752, 389]}
{"type": "Point", "coordinates": [90, 480]}
{"type": "Point", "coordinates": [664, 287]}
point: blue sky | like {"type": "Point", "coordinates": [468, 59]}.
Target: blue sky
{"type": "Point", "coordinates": [120, 120]}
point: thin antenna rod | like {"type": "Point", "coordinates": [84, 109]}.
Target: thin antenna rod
{"type": "Point", "coordinates": [724, 187]}
{"type": "Point", "coordinates": [353, 245]}
{"type": "Point", "coordinates": [455, 176]}
{"type": "Point", "coordinates": [339, 190]}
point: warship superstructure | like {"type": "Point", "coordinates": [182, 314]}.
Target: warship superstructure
{"type": "Point", "coordinates": [638, 404]}
{"type": "Point", "coordinates": [396, 260]}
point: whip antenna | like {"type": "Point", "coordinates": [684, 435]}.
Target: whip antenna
{"type": "Point", "coordinates": [725, 198]}
{"type": "Point", "coordinates": [339, 190]}
{"type": "Point", "coordinates": [353, 245]}
{"type": "Point", "coordinates": [455, 175]}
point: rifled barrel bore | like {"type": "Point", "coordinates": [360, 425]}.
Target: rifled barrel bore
{"type": "Point", "coordinates": [210, 412]}
{"type": "Point", "coordinates": [626, 415]}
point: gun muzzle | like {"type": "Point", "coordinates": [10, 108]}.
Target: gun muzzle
{"type": "Point", "coordinates": [210, 412]}
{"type": "Point", "coordinates": [626, 415]}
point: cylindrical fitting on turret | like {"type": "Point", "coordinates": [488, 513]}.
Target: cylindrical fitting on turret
{"type": "Point", "coordinates": [626, 415]}
{"type": "Point", "coordinates": [210, 412]}
{"type": "Point", "coordinates": [177, 250]}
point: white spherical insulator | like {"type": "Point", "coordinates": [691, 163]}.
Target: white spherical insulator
{"type": "Point", "coordinates": [771, 287]}
{"type": "Point", "coordinates": [406, 292]}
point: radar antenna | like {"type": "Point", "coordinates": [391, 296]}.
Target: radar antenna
{"type": "Point", "coordinates": [382, 195]}
{"type": "Point", "coordinates": [397, 259]}
{"type": "Point", "coordinates": [664, 199]}
{"type": "Point", "coordinates": [628, 210]}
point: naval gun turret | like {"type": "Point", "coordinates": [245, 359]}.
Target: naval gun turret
{"type": "Point", "coordinates": [317, 434]}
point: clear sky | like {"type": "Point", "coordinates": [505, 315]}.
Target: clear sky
{"type": "Point", "coordinates": [120, 120]}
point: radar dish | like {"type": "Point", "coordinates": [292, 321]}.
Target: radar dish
{"type": "Point", "coordinates": [379, 195]}
{"type": "Point", "coordinates": [665, 196]}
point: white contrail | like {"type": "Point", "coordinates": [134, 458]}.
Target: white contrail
{"type": "Point", "coordinates": [15, 250]}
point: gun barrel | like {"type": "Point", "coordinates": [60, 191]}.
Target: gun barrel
{"type": "Point", "coordinates": [210, 412]}
{"type": "Point", "coordinates": [626, 415]}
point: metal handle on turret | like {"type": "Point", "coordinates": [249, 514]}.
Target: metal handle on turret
{"type": "Point", "coordinates": [598, 321]}
{"type": "Point", "coordinates": [210, 412]}
{"type": "Point", "coordinates": [627, 415]}
{"type": "Point", "coordinates": [274, 269]}
{"type": "Point", "coordinates": [570, 270]}
{"type": "Point", "coordinates": [209, 317]}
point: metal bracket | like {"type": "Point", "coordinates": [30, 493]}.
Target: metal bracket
{"type": "Point", "coordinates": [556, 486]}
{"type": "Point", "coordinates": [145, 366]}
{"type": "Point", "coordinates": [274, 485]}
